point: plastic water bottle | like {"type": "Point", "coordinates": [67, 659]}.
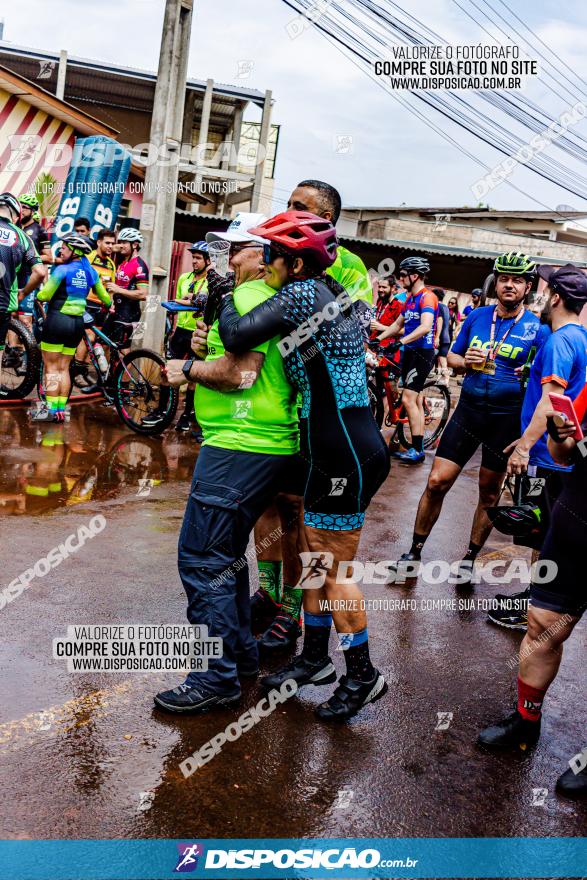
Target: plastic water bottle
{"type": "Point", "coordinates": [101, 358]}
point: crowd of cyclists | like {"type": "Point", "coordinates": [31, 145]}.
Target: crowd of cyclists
{"type": "Point", "coordinates": [272, 356]}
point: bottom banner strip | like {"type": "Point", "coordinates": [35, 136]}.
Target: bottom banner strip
{"type": "Point", "coordinates": [526, 857]}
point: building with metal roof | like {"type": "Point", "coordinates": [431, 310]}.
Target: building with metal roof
{"type": "Point", "coordinates": [122, 98]}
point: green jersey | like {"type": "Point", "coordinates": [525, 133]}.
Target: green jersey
{"type": "Point", "coordinates": [350, 271]}
{"type": "Point", "coordinates": [262, 418]}
{"type": "Point", "coordinates": [188, 286]}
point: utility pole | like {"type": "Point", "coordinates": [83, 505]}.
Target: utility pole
{"type": "Point", "coordinates": [161, 177]}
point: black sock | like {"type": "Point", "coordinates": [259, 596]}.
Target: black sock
{"type": "Point", "coordinates": [189, 402]}
{"type": "Point", "coordinates": [316, 636]}
{"type": "Point", "coordinates": [418, 542]}
{"type": "Point", "coordinates": [356, 656]}
{"type": "Point", "coordinates": [164, 394]}
{"type": "Point", "coordinates": [418, 442]}
{"type": "Point", "coordinates": [473, 550]}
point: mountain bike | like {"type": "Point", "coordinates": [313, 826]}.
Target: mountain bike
{"type": "Point", "coordinates": [131, 382]}
{"type": "Point", "coordinates": [20, 363]}
{"type": "Point", "coordinates": [383, 388]}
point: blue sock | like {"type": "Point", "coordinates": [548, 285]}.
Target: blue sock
{"type": "Point", "coordinates": [316, 636]}
{"type": "Point", "coordinates": [356, 655]}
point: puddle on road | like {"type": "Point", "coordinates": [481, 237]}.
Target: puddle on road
{"type": "Point", "coordinates": [90, 458]}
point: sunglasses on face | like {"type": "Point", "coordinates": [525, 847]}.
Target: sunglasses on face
{"type": "Point", "coordinates": [403, 275]}
{"type": "Point", "coordinates": [237, 248]}
{"type": "Point", "coordinates": [270, 253]}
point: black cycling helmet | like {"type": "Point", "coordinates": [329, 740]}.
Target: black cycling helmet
{"type": "Point", "coordinates": [415, 266]}
{"type": "Point", "coordinates": [477, 291]}
{"type": "Point", "coordinates": [79, 244]}
{"type": "Point", "coordinates": [12, 204]}
{"type": "Point", "coordinates": [519, 521]}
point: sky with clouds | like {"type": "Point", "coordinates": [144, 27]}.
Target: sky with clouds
{"type": "Point", "coordinates": [337, 124]}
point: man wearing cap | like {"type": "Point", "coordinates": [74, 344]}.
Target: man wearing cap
{"type": "Point", "coordinates": [192, 289]}
{"type": "Point", "coordinates": [248, 415]}
{"type": "Point", "coordinates": [555, 607]}
{"type": "Point", "coordinates": [560, 367]}
{"type": "Point", "coordinates": [475, 302]}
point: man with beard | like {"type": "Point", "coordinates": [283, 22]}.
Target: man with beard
{"type": "Point", "coordinates": [560, 367]}
{"type": "Point", "coordinates": [276, 605]}
{"type": "Point", "coordinates": [494, 341]}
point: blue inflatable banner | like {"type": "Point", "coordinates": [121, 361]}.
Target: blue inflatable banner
{"type": "Point", "coordinates": [95, 185]}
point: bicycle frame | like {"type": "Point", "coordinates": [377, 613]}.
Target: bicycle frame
{"type": "Point", "coordinates": [113, 346]}
{"type": "Point", "coordinates": [393, 394]}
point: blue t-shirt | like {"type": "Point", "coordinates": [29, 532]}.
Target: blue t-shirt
{"type": "Point", "coordinates": [467, 310]}
{"type": "Point", "coordinates": [561, 359]}
{"type": "Point", "coordinates": [501, 390]}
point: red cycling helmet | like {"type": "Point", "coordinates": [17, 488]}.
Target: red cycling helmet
{"type": "Point", "coordinates": [298, 231]}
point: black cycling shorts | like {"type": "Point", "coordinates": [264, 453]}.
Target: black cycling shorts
{"type": "Point", "coordinates": [443, 349]}
{"type": "Point", "coordinates": [4, 322]}
{"type": "Point", "coordinates": [474, 426]}
{"type": "Point", "coordinates": [62, 333]}
{"type": "Point", "coordinates": [416, 366]}
{"type": "Point", "coordinates": [564, 545]}
{"type": "Point", "coordinates": [180, 344]}
{"type": "Point", "coordinates": [348, 461]}
{"type": "Point", "coordinates": [98, 313]}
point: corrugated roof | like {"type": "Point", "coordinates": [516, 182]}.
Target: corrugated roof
{"type": "Point", "coordinates": [43, 100]}
{"type": "Point", "coordinates": [129, 73]}
{"type": "Point", "coordinates": [445, 250]}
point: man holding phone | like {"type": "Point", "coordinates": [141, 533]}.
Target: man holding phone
{"type": "Point", "coordinates": [560, 367]}
{"type": "Point", "coordinates": [555, 607]}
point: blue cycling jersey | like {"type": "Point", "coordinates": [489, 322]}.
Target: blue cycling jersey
{"type": "Point", "coordinates": [413, 309]}
{"type": "Point", "coordinates": [502, 389]}
{"type": "Point", "coordinates": [561, 359]}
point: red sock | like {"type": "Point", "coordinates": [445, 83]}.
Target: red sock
{"type": "Point", "coordinates": [530, 701]}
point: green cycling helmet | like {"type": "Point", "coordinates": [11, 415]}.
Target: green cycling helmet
{"type": "Point", "coordinates": [29, 200]}
{"type": "Point", "coordinates": [514, 263]}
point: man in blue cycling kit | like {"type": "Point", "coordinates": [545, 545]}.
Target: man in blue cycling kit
{"type": "Point", "coordinates": [418, 321]}
{"type": "Point", "coordinates": [493, 342]}
{"type": "Point", "coordinates": [560, 367]}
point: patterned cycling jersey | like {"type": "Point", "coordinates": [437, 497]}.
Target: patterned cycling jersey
{"type": "Point", "coordinates": [16, 251]}
{"type": "Point", "coordinates": [40, 238]}
{"type": "Point", "coordinates": [324, 360]}
{"type": "Point", "coordinates": [413, 309]}
{"type": "Point", "coordinates": [322, 346]}
{"type": "Point", "coordinates": [130, 275]}
{"type": "Point", "coordinates": [68, 287]}
{"type": "Point", "coordinates": [105, 268]}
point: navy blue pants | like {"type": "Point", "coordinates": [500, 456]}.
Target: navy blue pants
{"type": "Point", "coordinates": [230, 490]}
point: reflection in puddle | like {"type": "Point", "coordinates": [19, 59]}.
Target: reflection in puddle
{"type": "Point", "coordinates": [46, 466]}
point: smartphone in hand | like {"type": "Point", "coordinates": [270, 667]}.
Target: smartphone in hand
{"type": "Point", "coordinates": [564, 405]}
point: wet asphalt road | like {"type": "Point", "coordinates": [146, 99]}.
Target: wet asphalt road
{"type": "Point", "coordinates": [87, 756]}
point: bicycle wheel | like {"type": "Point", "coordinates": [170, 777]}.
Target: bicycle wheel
{"type": "Point", "coordinates": [436, 413]}
{"type": "Point", "coordinates": [136, 386]}
{"type": "Point", "coordinates": [20, 367]}
{"type": "Point", "coordinates": [375, 402]}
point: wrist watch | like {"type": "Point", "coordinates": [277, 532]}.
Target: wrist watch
{"type": "Point", "coordinates": [186, 369]}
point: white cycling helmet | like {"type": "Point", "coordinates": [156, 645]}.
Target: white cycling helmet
{"type": "Point", "coordinates": [129, 233]}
